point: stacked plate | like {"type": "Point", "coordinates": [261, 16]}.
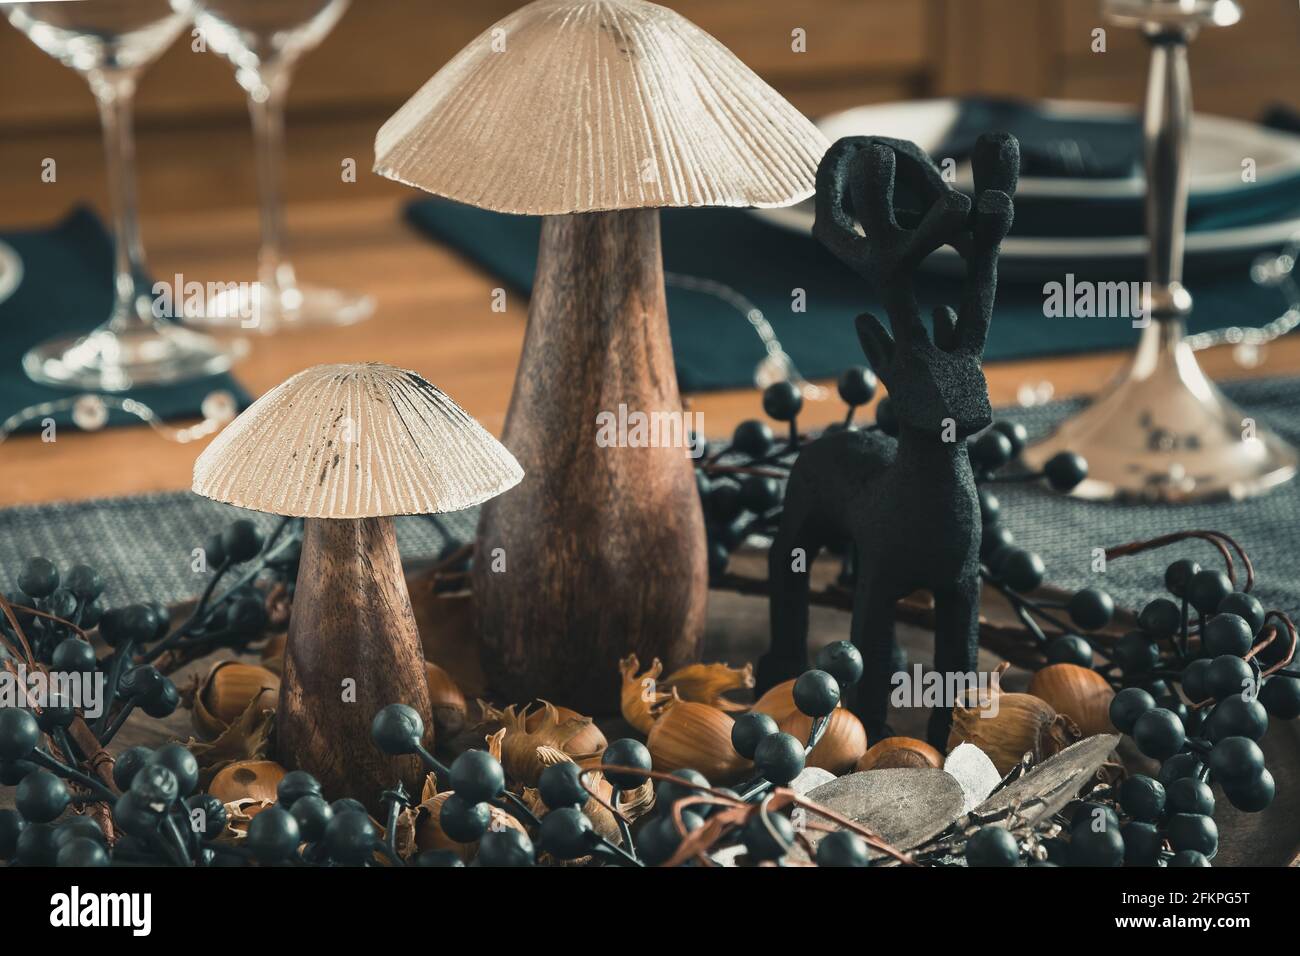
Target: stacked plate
{"type": "Point", "coordinates": [1081, 195]}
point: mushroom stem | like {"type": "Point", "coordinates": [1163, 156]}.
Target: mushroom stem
{"type": "Point", "coordinates": [353, 648]}
{"type": "Point", "coordinates": [602, 549]}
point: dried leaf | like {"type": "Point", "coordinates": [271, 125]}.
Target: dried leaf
{"type": "Point", "coordinates": [1050, 785]}
{"type": "Point", "coordinates": [429, 835]}
{"type": "Point", "coordinates": [239, 813]}
{"type": "Point", "coordinates": [519, 745]}
{"type": "Point", "coordinates": [532, 799]}
{"type": "Point", "coordinates": [905, 805]}
{"type": "Point", "coordinates": [406, 847]}
{"type": "Point", "coordinates": [248, 738]}
{"type": "Point", "coordinates": [707, 683]}
{"type": "Point", "coordinates": [191, 690]}
{"type": "Point", "coordinates": [645, 695]}
{"type": "Point", "coordinates": [549, 756]}
{"type": "Point", "coordinates": [430, 788]}
{"type": "Point", "coordinates": [634, 804]}
{"type": "Point", "coordinates": [642, 699]}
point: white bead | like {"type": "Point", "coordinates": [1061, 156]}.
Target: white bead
{"type": "Point", "coordinates": [89, 413]}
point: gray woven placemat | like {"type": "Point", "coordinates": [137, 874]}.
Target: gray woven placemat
{"type": "Point", "coordinates": [143, 544]}
{"type": "Point", "coordinates": [1064, 531]}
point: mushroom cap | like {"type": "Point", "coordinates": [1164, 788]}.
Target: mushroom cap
{"type": "Point", "coordinates": [570, 106]}
{"type": "Point", "coordinates": [354, 441]}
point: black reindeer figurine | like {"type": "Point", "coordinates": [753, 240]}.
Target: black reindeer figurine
{"type": "Point", "coordinates": [907, 506]}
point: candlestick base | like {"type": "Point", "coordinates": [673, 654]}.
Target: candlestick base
{"type": "Point", "coordinates": [1162, 431]}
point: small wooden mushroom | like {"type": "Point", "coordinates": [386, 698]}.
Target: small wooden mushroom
{"type": "Point", "coordinates": [345, 447]}
{"type": "Point", "coordinates": [594, 114]}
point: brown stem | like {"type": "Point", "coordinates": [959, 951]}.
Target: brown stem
{"type": "Point", "coordinates": [1218, 539]}
{"type": "Point", "coordinates": [1291, 635]}
{"type": "Point", "coordinates": [352, 649]}
{"type": "Point", "coordinates": [600, 551]}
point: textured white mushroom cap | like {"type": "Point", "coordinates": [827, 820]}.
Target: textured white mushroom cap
{"type": "Point", "coordinates": [354, 441]}
{"type": "Point", "coordinates": [572, 106]}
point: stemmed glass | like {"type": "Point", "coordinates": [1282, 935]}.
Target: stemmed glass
{"type": "Point", "coordinates": [110, 42]}
{"type": "Point", "coordinates": [263, 40]}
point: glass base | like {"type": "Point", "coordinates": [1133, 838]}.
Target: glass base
{"type": "Point", "coordinates": [255, 307]}
{"type": "Point", "coordinates": [105, 361]}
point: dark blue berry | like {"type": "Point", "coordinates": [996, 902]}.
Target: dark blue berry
{"type": "Point", "coordinates": [779, 758]}
{"type": "Point", "coordinates": [1065, 470]}
{"type": "Point", "coordinates": [842, 849]}
{"type": "Point", "coordinates": [1159, 733]}
{"type": "Point", "coordinates": [1143, 798]}
{"type": "Point", "coordinates": [397, 729]}
{"type": "Point", "coordinates": [1091, 608]}
{"type": "Point", "coordinates": [1207, 589]}
{"type": "Point", "coordinates": [241, 541]}
{"type": "Point", "coordinates": [752, 438]}
{"type": "Point", "coordinates": [1070, 649]}
{"type": "Point", "coordinates": [816, 693]}
{"type": "Point", "coordinates": [1016, 433]}
{"type": "Point", "coordinates": [38, 578]}
{"type": "Point", "coordinates": [992, 846]}
{"type": "Point", "coordinates": [857, 385]}
{"type": "Point", "coordinates": [627, 753]}
{"type": "Point", "coordinates": [1127, 706]}
{"type": "Point", "coordinates": [782, 401]}
{"type": "Point", "coordinates": [749, 729]}
{"type": "Point", "coordinates": [843, 661]}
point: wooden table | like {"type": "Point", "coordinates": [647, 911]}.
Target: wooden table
{"type": "Point", "coordinates": [434, 310]}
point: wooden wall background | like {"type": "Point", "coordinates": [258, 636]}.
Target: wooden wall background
{"type": "Point", "coordinates": [858, 51]}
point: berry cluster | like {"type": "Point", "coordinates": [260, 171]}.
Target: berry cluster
{"type": "Point", "coordinates": [684, 799]}
{"type": "Point", "coordinates": [161, 817]}
{"type": "Point", "coordinates": [55, 613]}
{"type": "Point", "coordinates": [1231, 668]}
{"type": "Point", "coordinates": [740, 483]}
{"type": "Point", "coordinates": [1198, 681]}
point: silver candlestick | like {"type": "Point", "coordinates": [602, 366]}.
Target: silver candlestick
{"type": "Point", "coordinates": [1162, 430]}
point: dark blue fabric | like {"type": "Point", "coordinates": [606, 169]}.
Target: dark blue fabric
{"type": "Point", "coordinates": [716, 348]}
{"type": "Point", "coordinates": [67, 289]}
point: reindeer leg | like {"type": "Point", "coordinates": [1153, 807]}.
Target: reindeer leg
{"type": "Point", "coordinates": [873, 635]}
{"type": "Point", "coordinates": [956, 645]}
{"type": "Point", "coordinates": [787, 656]}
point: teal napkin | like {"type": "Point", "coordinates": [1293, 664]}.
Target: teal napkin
{"type": "Point", "coordinates": [1051, 144]}
{"type": "Point", "coordinates": [1106, 147]}
{"type": "Point", "coordinates": [67, 288]}
{"type": "Point", "coordinates": [715, 347]}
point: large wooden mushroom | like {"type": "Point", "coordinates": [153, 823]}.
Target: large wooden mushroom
{"type": "Point", "coordinates": [346, 447]}
{"type": "Point", "coordinates": [594, 114]}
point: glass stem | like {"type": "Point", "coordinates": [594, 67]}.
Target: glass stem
{"type": "Point", "coordinates": [114, 92]}
{"type": "Point", "coordinates": [266, 107]}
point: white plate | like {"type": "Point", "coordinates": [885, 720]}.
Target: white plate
{"type": "Point", "coordinates": [1217, 147]}
{"type": "Point", "coordinates": [1036, 249]}
{"type": "Point", "coordinates": [11, 271]}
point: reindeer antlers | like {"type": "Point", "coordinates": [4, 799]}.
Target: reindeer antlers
{"type": "Point", "coordinates": [996, 165]}
{"type": "Point", "coordinates": [866, 168]}
{"type": "Point", "coordinates": [894, 241]}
